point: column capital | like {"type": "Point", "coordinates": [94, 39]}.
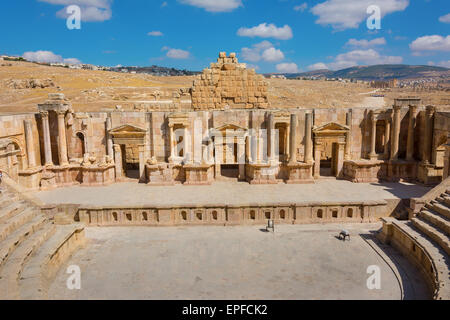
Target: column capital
{"type": "Point", "coordinates": [44, 114]}
{"type": "Point", "coordinates": [397, 108]}
{"type": "Point", "coordinates": [430, 109]}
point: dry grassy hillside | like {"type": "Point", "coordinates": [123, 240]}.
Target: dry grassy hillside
{"type": "Point", "coordinates": [23, 85]}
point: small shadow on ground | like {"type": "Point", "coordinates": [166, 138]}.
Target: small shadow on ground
{"type": "Point", "coordinates": [264, 230]}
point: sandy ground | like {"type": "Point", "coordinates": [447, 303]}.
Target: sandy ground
{"type": "Point", "coordinates": [231, 193]}
{"type": "Point", "coordinates": [295, 262]}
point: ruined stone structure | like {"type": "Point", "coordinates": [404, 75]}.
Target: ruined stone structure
{"type": "Point", "coordinates": [229, 83]}
{"type": "Point", "coordinates": [231, 133]}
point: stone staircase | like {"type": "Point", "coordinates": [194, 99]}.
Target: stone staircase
{"type": "Point", "coordinates": [433, 220]}
{"type": "Point", "coordinates": [30, 246]}
{"type": "Point", "coordinates": [425, 238]}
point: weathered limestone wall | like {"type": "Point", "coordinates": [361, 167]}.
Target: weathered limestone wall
{"type": "Point", "coordinates": [229, 83]}
{"type": "Point", "coordinates": [283, 213]}
{"type": "Point", "coordinates": [12, 135]}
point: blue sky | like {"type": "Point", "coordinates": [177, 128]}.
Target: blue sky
{"type": "Point", "coordinates": [270, 35]}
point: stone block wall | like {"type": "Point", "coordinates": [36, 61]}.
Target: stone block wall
{"type": "Point", "coordinates": [229, 83]}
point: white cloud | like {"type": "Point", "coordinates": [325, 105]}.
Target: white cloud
{"type": "Point", "coordinates": [430, 43]}
{"type": "Point", "coordinates": [272, 55]}
{"type": "Point", "coordinates": [356, 58]}
{"type": "Point", "coordinates": [91, 10]}
{"type": "Point", "coordinates": [262, 51]}
{"type": "Point", "coordinates": [287, 68]}
{"type": "Point", "coordinates": [445, 19]}
{"type": "Point", "coordinates": [177, 53]}
{"type": "Point", "coordinates": [155, 34]}
{"type": "Point", "coordinates": [348, 14]}
{"type": "Point", "coordinates": [48, 57]}
{"type": "Point", "coordinates": [363, 43]}
{"type": "Point", "coordinates": [265, 30]}
{"type": "Point", "coordinates": [214, 5]}
{"type": "Point", "coordinates": [302, 7]}
{"type": "Point", "coordinates": [445, 64]}
{"type": "Point", "coordinates": [318, 66]}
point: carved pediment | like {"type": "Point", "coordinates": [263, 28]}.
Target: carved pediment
{"type": "Point", "coordinates": [231, 127]}
{"type": "Point", "coordinates": [331, 127]}
{"type": "Point", "coordinates": [127, 128]}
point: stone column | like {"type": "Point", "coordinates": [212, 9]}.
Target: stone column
{"type": "Point", "coordinates": [270, 136]}
{"type": "Point", "coordinates": [118, 161]}
{"type": "Point", "coordinates": [428, 134]}
{"type": "Point", "coordinates": [396, 133]}
{"type": "Point", "coordinates": [171, 143]}
{"type": "Point", "coordinates": [387, 137]}
{"type": "Point", "coordinates": [30, 143]}
{"type": "Point", "coordinates": [62, 152]}
{"type": "Point", "coordinates": [447, 158]}
{"type": "Point", "coordinates": [317, 158]}
{"type": "Point", "coordinates": [286, 139]}
{"type": "Point", "coordinates": [109, 140]}
{"type": "Point", "coordinates": [373, 136]}
{"type": "Point", "coordinates": [47, 142]}
{"type": "Point", "coordinates": [141, 149]}
{"type": "Point", "coordinates": [293, 139]}
{"type": "Point", "coordinates": [308, 139]}
{"type": "Point", "coordinates": [412, 124]}
{"type": "Point", "coordinates": [187, 144]}
{"type": "Point", "coordinates": [348, 135]}
{"type": "Point", "coordinates": [241, 158]}
{"type": "Point", "coordinates": [218, 146]}
{"type": "Point", "coordinates": [340, 160]}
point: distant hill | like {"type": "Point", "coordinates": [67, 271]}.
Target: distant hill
{"type": "Point", "coordinates": [157, 71]}
{"type": "Point", "coordinates": [379, 72]}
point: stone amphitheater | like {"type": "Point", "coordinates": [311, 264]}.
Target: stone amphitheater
{"type": "Point", "coordinates": [88, 189]}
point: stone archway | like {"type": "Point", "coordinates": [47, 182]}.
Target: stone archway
{"type": "Point", "coordinates": [329, 149]}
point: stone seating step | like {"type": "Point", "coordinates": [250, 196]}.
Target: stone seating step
{"type": "Point", "coordinates": [11, 210]}
{"type": "Point", "coordinates": [12, 268]}
{"type": "Point", "coordinates": [6, 200]}
{"type": "Point", "coordinates": [440, 258]}
{"type": "Point", "coordinates": [33, 283]}
{"type": "Point", "coordinates": [8, 245]}
{"type": "Point", "coordinates": [446, 199]}
{"type": "Point", "coordinates": [437, 220]}
{"type": "Point", "coordinates": [436, 235]}
{"type": "Point", "coordinates": [439, 208]}
{"type": "Point", "coordinates": [16, 222]}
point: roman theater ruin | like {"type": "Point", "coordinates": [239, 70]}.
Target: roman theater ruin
{"type": "Point", "coordinates": [228, 135]}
